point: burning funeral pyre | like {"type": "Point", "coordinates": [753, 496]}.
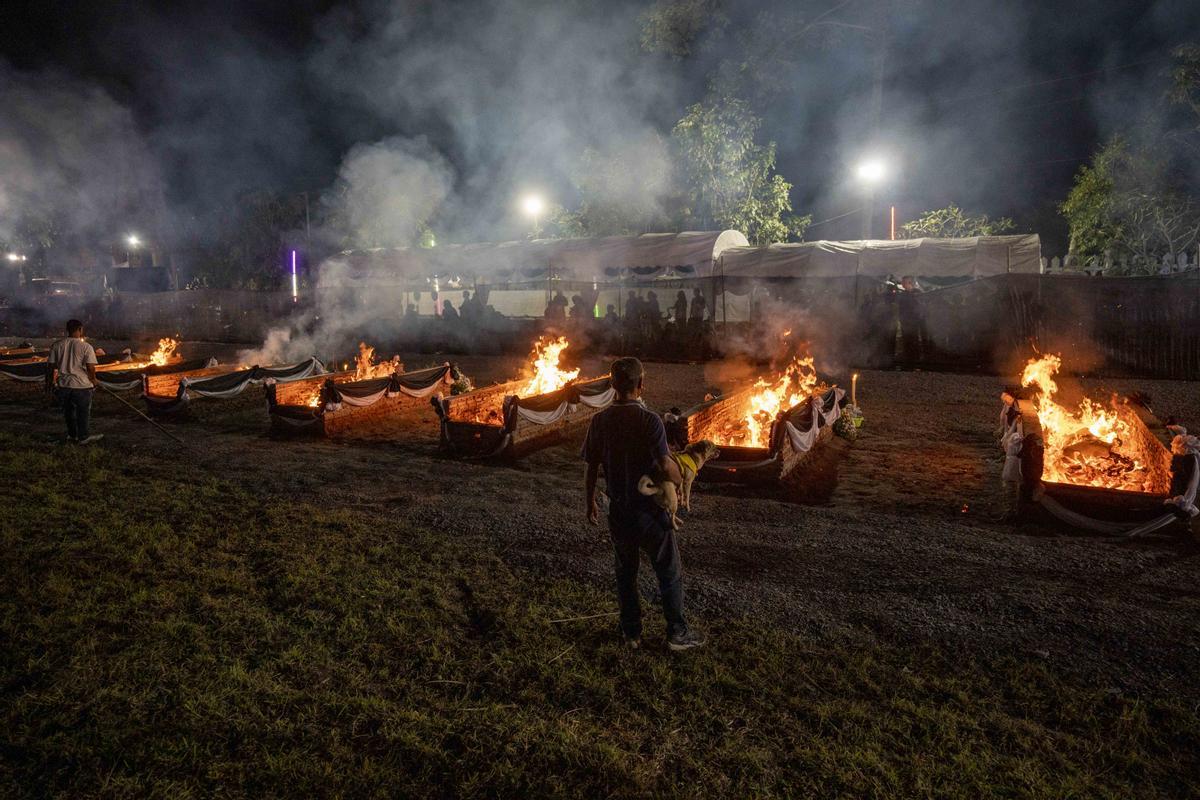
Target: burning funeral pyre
{"type": "Point", "coordinates": [766, 430]}
{"type": "Point", "coordinates": [535, 409]}
{"type": "Point", "coordinates": [750, 426]}
{"type": "Point", "coordinates": [170, 393]}
{"type": "Point", "coordinates": [372, 400]}
{"type": "Point", "coordinates": [548, 376]}
{"type": "Point", "coordinates": [365, 368]}
{"type": "Point", "coordinates": [1100, 445]}
{"type": "Point", "coordinates": [1098, 466]}
{"type": "Point", "coordinates": [543, 376]}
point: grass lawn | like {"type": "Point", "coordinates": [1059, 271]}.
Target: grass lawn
{"type": "Point", "coordinates": [175, 634]}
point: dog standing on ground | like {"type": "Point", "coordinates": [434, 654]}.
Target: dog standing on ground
{"type": "Point", "coordinates": [690, 462]}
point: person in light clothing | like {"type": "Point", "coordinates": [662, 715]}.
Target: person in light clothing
{"type": "Point", "coordinates": [71, 371]}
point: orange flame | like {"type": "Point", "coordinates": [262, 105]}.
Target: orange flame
{"type": "Point", "coordinates": [1093, 445]}
{"type": "Point", "coordinates": [365, 366]}
{"type": "Point", "coordinates": [547, 377]}
{"type": "Point", "coordinates": [767, 401]}
{"type": "Point", "coordinates": [164, 353]}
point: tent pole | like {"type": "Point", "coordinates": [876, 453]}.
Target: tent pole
{"type": "Point", "coordinates": [857, 272]}
{"type": "Point", "coordinates": [724, 309]}
{"type": "Point", "coordinates": [620, 312]}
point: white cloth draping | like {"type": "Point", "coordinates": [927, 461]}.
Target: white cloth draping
{"type": "Point", "coordinates": [803, 441]}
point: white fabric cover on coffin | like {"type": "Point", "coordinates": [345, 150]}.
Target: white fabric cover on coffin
{"type": "Point", "coordinates": [803, 442]}
{"type": "Point", "coordinates": [545, 417]}
{"type": "Point", "coordinates": [602, 400]}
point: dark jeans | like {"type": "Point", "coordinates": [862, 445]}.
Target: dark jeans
{"type": "Point", "coordinates": [77, 408]}
{"type": "Point", "coordinates": [910, 341]}
{"type": "Point", "coordinates": [649, 529]}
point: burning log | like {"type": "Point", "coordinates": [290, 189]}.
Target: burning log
{"type": "Point", "coordinates": [1101, 466]}
{"type": "Point", "coordinates": [521, 415]}
{"type": "Point", "coordinates": [342, 406]}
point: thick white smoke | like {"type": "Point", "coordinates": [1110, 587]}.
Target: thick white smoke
{"type": "Point", "coordinates": [73, 158]}
{"type": "Point", "coordinates": [388, 189]}
{"type": "Point", "coordinates": [385, 192]}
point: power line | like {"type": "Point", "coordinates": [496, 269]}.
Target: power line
{"type": "Point", "coordinates": [831, 219]}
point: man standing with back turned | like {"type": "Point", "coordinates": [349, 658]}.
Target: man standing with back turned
{"type": "Point", "coordinates": [71, 368]}
{"type": "Point", "coordinates": [630, 441]}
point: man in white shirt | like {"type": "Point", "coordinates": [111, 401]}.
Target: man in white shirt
{"type": "Point", "coordinates": [71, 370]}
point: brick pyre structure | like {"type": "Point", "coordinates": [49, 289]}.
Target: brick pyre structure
{"type": "Point", "coordinates": [1110, 467]}
{"type": "Point", "coordinates": [171, 394]}
{"type": "Point", "coordinates": [115, 372]}
{"type": "Point", "coordinates": [792, 437]}
{"type": "Point", "coordinates": [496, 420]}
{"type": "Point", "coordinates": [338, 406]}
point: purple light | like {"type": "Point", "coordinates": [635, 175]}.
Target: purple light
{"type": "Point", "coordinates": [295, 292]}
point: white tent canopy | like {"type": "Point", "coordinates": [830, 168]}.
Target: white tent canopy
{"type": "Point", "coordinates": [976, 257]}
{"type": "Point", "coordinates": [691, 254]}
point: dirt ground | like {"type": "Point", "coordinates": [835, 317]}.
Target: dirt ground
{"type": "Point", "coordinates": [892, 538]}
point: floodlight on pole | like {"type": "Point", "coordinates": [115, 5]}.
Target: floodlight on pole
{"type": "Point", "coordinates": [533, 206]}
{"type": "Point", "coordinates": [132, 241]}
{"type": "Point", "coordinates": [871, 171]}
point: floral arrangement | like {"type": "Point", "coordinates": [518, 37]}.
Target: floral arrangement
{"type": "Point", "coordinates": [848, 423]}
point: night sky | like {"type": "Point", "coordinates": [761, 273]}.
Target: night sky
{"type": "Point", "coordinates": [992, 105]}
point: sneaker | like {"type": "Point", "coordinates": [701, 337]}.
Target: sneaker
{"type": "Point", "coordinates": [632, 642]}
{"type": "Point", "coordinates": [685, 640]}
{"type": "Point", "coordinates": [95, 437]}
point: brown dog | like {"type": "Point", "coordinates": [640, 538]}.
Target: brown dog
{"type": "Point", "coordinates": [690, 462]}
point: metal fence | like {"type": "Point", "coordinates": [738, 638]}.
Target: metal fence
{"type": "Point", "coordinates": [216, 315]}
{"type": "Point", "coordinates": [1147, 326]}
{"type": "Point", "coordinates": [1136, 326]}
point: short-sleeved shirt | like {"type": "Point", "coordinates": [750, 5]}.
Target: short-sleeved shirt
{"type": "Point", "coordinates": [70, 357]}
{"type": "Point", "coordinates": [627, 440]}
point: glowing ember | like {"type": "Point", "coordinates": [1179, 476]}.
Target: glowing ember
{"type": "Point", "coordinates": [547, 377]}
{"type": "Point", "coordinates": [314, 399]}
{"type": "Point", "coordinates": [366, 368]}
{"type": "Point", "coordinates": [767, 401]}
{"type": "Point", "coordinates": [1093, 445]}
{"type": "Point", "coordinates": [164, 353]}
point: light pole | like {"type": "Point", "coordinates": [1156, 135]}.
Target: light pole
{"type": "Point", "coordinates": [870, 173]}
{"type": "Point", "coordinates": [133, 241]}
{"type": "Point", "coordinates": [533, 206]}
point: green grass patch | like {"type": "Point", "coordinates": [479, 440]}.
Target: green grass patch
{"type": "Point", "coordinates": [177, 634]}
